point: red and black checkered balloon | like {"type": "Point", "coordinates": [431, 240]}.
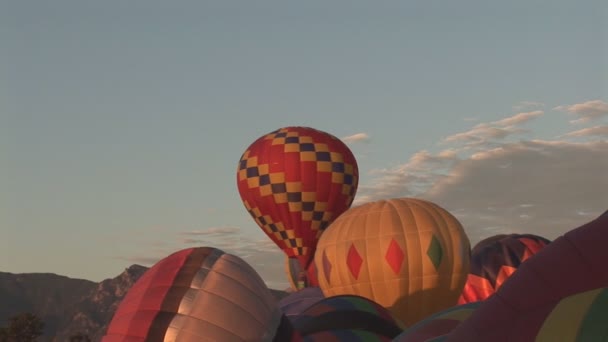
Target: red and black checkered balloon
{"type": "Point", "coordinates": [294, 182]}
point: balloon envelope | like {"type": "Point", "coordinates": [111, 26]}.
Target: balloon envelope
{"type": "Point", "coordinates": [293, 270]}
{"type": "Point", "coordinates": [294, 304]}
{"type": "Point", "coordinates": [346, 335]}
{"type": "Point", "coordinates": [571, 264]}
{"type": "Point", "coordinates": [439, 324]}
{"type": "Point", "coordinates": [347, 313]}
{"type": "Point", "coordinates": [494, 259]}
{"type": "Point", "coordinates": [294, 182]}
{"type": "Point", "coordinates": [197, 294]}
{"type": "Point", "coordinates": [409, 255]}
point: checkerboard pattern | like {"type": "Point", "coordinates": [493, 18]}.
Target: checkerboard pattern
{"type": "Point", "coordinates": [294, 182]}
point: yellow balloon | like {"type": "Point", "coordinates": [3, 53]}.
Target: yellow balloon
{"type": "Point", "coordinates": [409, 255]}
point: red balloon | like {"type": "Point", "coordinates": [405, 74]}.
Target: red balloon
{"type": "Point", "coordinates": [571, 264]}
{"type": "Point", "coordinates": [494, 260]}
{"type": "Point", "coordinates": [294, 182]}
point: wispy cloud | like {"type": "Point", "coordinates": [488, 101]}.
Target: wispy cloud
{"type": "Point", "coordinates": [495, 185]}
{"type": "Point", "coordinates": [519, 118]}
{"type": "Point", "coordinates": [484, 133]}
{"type": "Point", "coordinates": [422, 170]}
{"type": "Point", "coordinates": [355, 138]}
{"type": "Point", "coordinates": [554, 178]}
{"type": "Point", "coordinates": [586, 111]}
{"type": "Point", "coordinates": [599, 131]}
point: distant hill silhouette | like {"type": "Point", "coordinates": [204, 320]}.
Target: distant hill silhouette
{"type": "Point", "coordinates": [66, 305]}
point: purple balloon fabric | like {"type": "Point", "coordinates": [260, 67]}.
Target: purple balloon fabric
{"type": "Point", "coordinates": [294, 304]}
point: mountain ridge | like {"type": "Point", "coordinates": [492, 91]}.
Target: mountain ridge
{"type": "Point", "coordinates": [69, 305]}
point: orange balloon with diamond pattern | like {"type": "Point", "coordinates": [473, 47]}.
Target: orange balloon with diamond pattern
{"type": "Point", "coordinates": [294, 182]}
{"type": "Point", "coordinates": [407, 254]}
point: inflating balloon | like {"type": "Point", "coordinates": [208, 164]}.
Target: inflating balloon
{"type": "Point", "coordinates": [493, 260]}
{"type": "Point", "coordinates": [437, 325]}
{"type": "Point", "coordinates": [347, 335]}
{"type": "Point", "coordinates": [409, 255]}
{"type": "Point", "coordinates": [295, 303]}
{"type": "Point", "coordinates": [347, 313]}
{"type": "Point", "coordinates": [198, 294]}
{"type": "Point", "coordinates": [294, 182]}
{"type": "Point", "coordinates": [571, 264]}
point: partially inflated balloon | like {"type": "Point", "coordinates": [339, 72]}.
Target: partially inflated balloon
{"type": "Point", "coordinates": [346, 335]}
{"type": "Point", "coordinates": [295, 303]}
{"type": "Point", "coordinates": [571, 264]}
{"type": "Point", "coordinates": [409, 255]}
{"type": "Point", "coordinates": [294, 182]}
{"type": "Point", "coordinates": [439, 324]}
{"type": "Point", "coordinates": [493, 260]}
{"type": "Point", "coordinates": [198, 294]}
{"type": "Point", "coordinates": [347, 313]}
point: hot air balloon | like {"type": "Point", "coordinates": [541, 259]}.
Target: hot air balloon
{"type": "Point", "coordinates": [495, 259]}
{"type": "Point", "coordinates": [437, 325]}
{"type": "Point", "coordinates": [294, 182]}
{"type": "Point", "coordinates": [293, 270]}
{"type": "Point", "coordinates": [409, 255]}
{"type": "Point", "coordinates": [346, 335]}
{"type": "Point", "coordinates": [347, 313]}
{"type": "Point", "coordinates": [571, 264]}
{"type": "Point", "coordinates": [295, 303]}
{"type": "Point", "coordinates": [198, 294]}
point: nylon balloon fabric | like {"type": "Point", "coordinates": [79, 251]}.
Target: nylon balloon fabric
{"type": "Point", "coordinates": [438, 325]}
{"type": "Point", "coordinates": [409, 255]}
{"type": "Point", "coordinates": [494, 260]}
{"type": "Point", "coordinates": [571, 264]}
{"type": "Point", "coordinates": [347, 313]}
{"type": "Point", "coordinates": [351, 335]}
{"type": "Point", "coordinates": [294, 182]}
{"type": "Point", "coordinates": [293, 270]}
{"type": "Point", "coordinates": [197, 294]}
{"type": "Point", "coordinates": [294, 304]}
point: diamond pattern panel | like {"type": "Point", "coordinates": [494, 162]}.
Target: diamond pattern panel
{"type": "Point", "coordinates": [354, 261]}
{"type": "Point", "coordinates": [394, 256]}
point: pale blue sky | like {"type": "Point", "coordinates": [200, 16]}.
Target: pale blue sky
{"type": "Point", "coordinates": [121, 122]}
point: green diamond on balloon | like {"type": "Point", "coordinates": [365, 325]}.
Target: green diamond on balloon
{"type": "Point", "coordinates": [435, 252]}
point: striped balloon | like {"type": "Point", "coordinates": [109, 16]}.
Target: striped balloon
{"type": "Point", "coordinates": [347, 312]}
{"type": "Point", "coordinates": [438, 324]}
{"type": "Point", "coordinates": [582, 317]}
{"type": "Point", "coordinates": [198, 294]}
{"type": "Point", "coordinates": [350, 335]}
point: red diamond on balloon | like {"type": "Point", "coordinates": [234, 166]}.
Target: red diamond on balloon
{"type": "Point", "coordinates": [326, 266]}
{"type": "Point", "coordinates": [354, 261]}
{"type": "Point", "coordinates": [394, 256]}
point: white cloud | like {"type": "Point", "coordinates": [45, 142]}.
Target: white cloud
{"type": "Point", "coordinates": [497, 130]}
{"type": "Point", "coordinates": [586, 111]}
{"type": "Point", "coordinates": [558, 177]}
{"type": "Point", "coordinates": [422, 170]}
{"type": "Point", "coordinates": [359, 137]}
{"type": "Point", "coordinates": [600, 131]}
{"type": "Point", "coordinates": [519, 118]}
{"type": "Point", "coordinates": [497, 186]}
